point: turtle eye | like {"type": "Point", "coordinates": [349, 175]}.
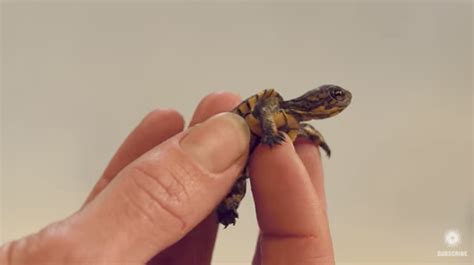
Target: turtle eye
{"type": "Point", "coordinates": [337, 94]}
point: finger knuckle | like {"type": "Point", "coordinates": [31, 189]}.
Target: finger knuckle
{"type": "Point", "coordinates": [163, 189]}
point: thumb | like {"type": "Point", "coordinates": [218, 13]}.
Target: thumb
{"type": "Point", "coordinates": [162, 195]}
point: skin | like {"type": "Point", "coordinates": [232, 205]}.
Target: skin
{"type": "Point", "coordinates": [182, 230]}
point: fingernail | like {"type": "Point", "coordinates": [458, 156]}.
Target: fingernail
{"type": "Point", "coordinates": [218, 142]}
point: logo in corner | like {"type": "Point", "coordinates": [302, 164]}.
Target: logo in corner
{"type": "Point", "coordinates": [452, 238]}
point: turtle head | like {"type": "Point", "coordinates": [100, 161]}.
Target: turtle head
{"type": "Point", "coordinates": [319, 103]}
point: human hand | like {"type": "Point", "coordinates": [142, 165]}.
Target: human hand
{"type": "Point", "coordinates": [288, 188]}
{"type": "Point", "coordinates": [126, 221]}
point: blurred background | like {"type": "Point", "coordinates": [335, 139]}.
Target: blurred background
{"type": "Point", "coordinates": [77, 78]}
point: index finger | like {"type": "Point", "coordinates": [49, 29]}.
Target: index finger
{"type": "Point", "coordinates": [293, 223]}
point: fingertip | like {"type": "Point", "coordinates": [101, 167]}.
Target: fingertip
{"type": "Point", "coordinates": [224, 93]}
{"type": "Point", "coordinates": [214, 103]}
{"type": "Point", "coordinates": [160, 118]}
{"type": "Point", "coordinates": [226, 97]}
{"type": "Point", "coordinates": [219, 142]}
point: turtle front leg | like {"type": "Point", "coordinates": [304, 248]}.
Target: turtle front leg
{"type": "Point", "coordinates": [309, 132]}
{"type": "Point", "coordinates": [265, 112]}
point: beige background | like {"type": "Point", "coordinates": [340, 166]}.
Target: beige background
{"type": "Point", "coordinates": [78, 77]}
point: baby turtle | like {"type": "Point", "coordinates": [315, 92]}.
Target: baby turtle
{"type": "Point", "coordinates": [268, 116]}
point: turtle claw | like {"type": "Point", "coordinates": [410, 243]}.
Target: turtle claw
{"type": "Point", "coordinates": [273, 139]}
{"type": "Point", "coordinates": [326, 148]}
{"type": "Point", "coordinates": [228, 217]}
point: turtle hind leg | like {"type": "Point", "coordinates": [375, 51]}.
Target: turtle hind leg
{"type": "Point", "coordinates": [227, 217]}
{"type": "Point", "coordinates": [309, 132]}
{"type": "Point", "coordinates": [227, 209]}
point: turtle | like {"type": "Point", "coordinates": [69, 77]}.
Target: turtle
{"type": "Point", "coordinates": [269, 118]}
